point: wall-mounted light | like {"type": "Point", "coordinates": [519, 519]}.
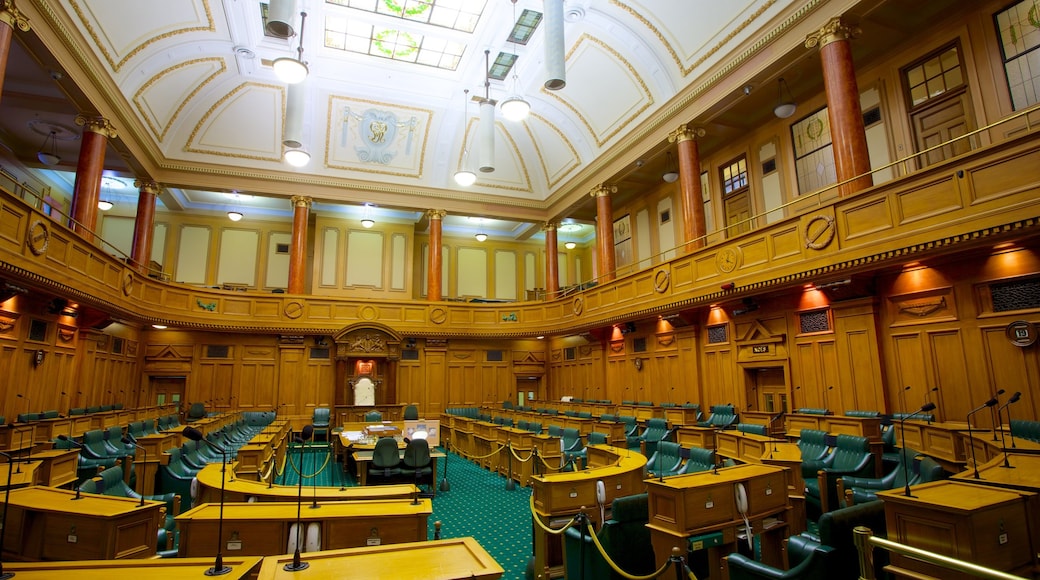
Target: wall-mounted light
{"type": "Point", "coordinates": [235, 216]}
{"type": "Point", "coordinates": [159, 326]}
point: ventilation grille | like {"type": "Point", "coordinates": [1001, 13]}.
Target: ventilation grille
{"type": "Point", "coordinates": [117, 346]}
{"type": "Point", "coordinates": [639, 345]}
{"type": "Point", "coordinates": [768, 166]}
{"type": "Point", "coordinates": [1017, 295]}
{"type": "Point", "coordinates": [409, 355]}
{"type": "Point", "coordinates": [494, 356]}
{"type": "Point", "coordinates": [217, 351]}
{"type": "Point", "coordinates": [815, 321]}
{"type": "Point", "coordinates": [37, 331]}
{"type": "Point", "coordinates": [320, 352]}
{"type": "Point", "coordinates": [872, 116]}
{"type": "Point", "coordinates": [569, 353]}
{"type": "Point", "coordinates": [717, 334]}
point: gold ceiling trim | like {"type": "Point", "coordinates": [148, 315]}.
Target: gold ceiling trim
{"type": "Point", "coordinates": [600, 141]}
{"type": "Point", "coordinates": [550, 184]}
{"type": "Point", "coordinates": [425, 137]}
{"type": "Point", "coordinates": [116, 66]}
{"type": "Point", "coordinates": [686, 70]}
{"type": "Point", "coordinates": [190, 148]}
{"type": "Point", "coordinates": [161, 133]}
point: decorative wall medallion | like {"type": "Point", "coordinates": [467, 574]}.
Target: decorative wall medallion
{"type": "Point", "coordinates": [578, 306]}
{"type": "Point", "coordinates": [367, 343]}
{"type": "Point", "coordinates": [208, 306]}
{"type": "Point", "coordinates": [66, 334]}
{"type": "Point", "coordinates": [6, 325]}
{"type": "Point", "coordinates": [128, 282]}
{"type": "Point", "coordinates": [1021, 333]}
{"type": "Point", "coordinates": [293, 309]}
{"type": "Point", "coordinates": [37, 237]}
{"type": "Point", "coordinates": [727, 260]}
{"type": "Point", "coordinates": [368, 312]}
{"type": "Point", "coordinates": [819, 232]}
{"type": "Point", "coordinates": [438, 315]}
{"type": "Point", "coordinates": [617, 347]}
{"type": "Point", "coordinates": [661, 280]}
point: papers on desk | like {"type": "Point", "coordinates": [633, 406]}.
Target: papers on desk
{"type": "Point", "coordinates": [380, 428]}
{"type": "Point", "coordinates": [354, 436]}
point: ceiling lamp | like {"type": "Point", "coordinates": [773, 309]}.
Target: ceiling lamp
{"type": "Point", "coordinates": [159, 326]}
{"type": "Point", "coordinates": [464, 176]}
{"type": "Point", "coordinates": [104, 205]}
{"type": "Point", "coordinates": [487, 122]}
{"type": "Point", "coordinates": [481, 237]}
{"type": "Point", "coordinates": [555, 65]}
{"type": "Point", "coordinates": [297, 157]}
{"type": "Point", "coordinates": [279, 18]}
{"type": "Point", "coordinates": [366, 219]}
{"type": "Point", "coordinates": [234, 216]}
{"type": "Point", "coordinates": [783, 108]}
{"type": "Point", "coordinates": [570, 245]}
{"type": "Point", "coordinates": [292, 70]}
{"type": "Point", "coordinates": [670, 174]}
{"type": "Point", "coordinates": [515, 108]}
{"type": "Point", "coordinates": [49, 156]}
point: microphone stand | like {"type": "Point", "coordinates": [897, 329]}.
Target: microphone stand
{"type": "Point", "coordinates": [993, 415]}
{"type": "Point", "coordinates": [21, 436]}
{"type": "Point", "coordinates": [445, 486]}
{"type": "Point", "coordinates": [902, 432]}
{"type": "Point", "coordinates": [770, 429]}
{"type": "Point", "coordinates": [296, 565]}
{"type": "Point", "coordinates": [7, 505]}
{"type": "Point", "coordinates": [79, 445]}
{"type": "Point", "coordinates": [218, 569]}
{"type": "Point", "coordinates": [1014, 399]}
{"type": "Point", "coordinates": [971, 441]}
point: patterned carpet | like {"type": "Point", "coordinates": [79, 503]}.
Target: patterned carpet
{"type": "Point", "coordinates": [477, 504]}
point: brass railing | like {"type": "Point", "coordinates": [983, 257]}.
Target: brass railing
{"type": "Point", "coordinates": [866, 541]}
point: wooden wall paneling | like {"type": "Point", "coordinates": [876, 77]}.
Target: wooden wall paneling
{"type": "Point", "coordinates": [410, 382]}
{"type": "Point", "coordinates": [435, 381]}
{"type": "Point", "coordinates": [690, 381]}
{"type": "Point", "coordinates": [86, 387]}
{"type": "Point", "coordinates": [292, 390]}
{"type": "Point", "coordinates": [831, 395]}
{"type": "Point", "coordinates": [1011, 368]}
{"type": "Point", "coordinates": [907, 359]}
{"type": "Point", "coordinates": [806, 375]}
{"type": "Point", "coordinates": [948, 357]}
{"type": "Point", "coordinates": [718, 383]}
{"type": "Point", "coordinates": [862, 383]}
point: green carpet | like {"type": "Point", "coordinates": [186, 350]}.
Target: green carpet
{"type": "Point", "coordinates": [477, 504]}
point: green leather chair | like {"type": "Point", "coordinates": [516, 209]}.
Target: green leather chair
{"type": "Point", "coordinates": [195, 412]}
{"type": "Point", "coordinates": [386, 462]}
{"type": "Point", "coordinates": [722, 416]}
{"type": "Point", "coordinates": [625, 540]}
{"type": "Point", "coordinates": [851, 457]}
{"type": "Point", "coordinates": [754, 429]}
{"type": "Point", "coordinates": [596, 438]}
{"type": "Point", "coordinates": [861, 413]}
{"type": "Point", "coordinates": [534, 427]}
{"type": "Point", "coordinates": [417, 465]}
{"type": "Point", "coordinates": [175, 477]}
{"type": "Point", "coordinates": [320, 421]}
{"type": "Point", "coordinates": [573, 448]}
{"type": "Point", "coordinates": [919, 468]}
{"type": "Point", "coordinates": [411, 413]}
{"type": "Point", "coordinates": [699, 460]}
{"type": "Point", "coordinates": [373, 417]}
{"type": "Point", "coordinates": [665, 461]}
{"type": "Point", "coordinates": [656, 431]}
{"type": "Point", "coordinates": [581, 558]}
{"type": "Point", "coordinates": [631, 430]}
{"type": "Point", "coordinates": [813, 444]}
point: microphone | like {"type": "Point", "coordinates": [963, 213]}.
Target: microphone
{"type": "Point", "coordinates": [928, 399]}
{"type": "Point", "coordinates": [79, 445]}
{"type": "Point", "coordinates": [1014, 399]}
{"type": "Point", "coordinates": [971, 441]}
{"type": "Point", "coordinates": [3, 519]}
{"type": "Point", "coordinates": [218, 569]}
{"type": "Point", "coordinates": [769, 430]}
{"type": "Point", "coordinates": [129, 441]}
{"type": "Point", "coordinates": [902, 431]}
{"type": "Point", "coordinates": [902, 396]}
{"type": "Point", "coordinates": [993, 415]}
{"type": "Point", "coordinates": [296, 565]}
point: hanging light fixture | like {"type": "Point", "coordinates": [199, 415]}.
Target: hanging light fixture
{"type": "Point", "coordinates": [481, 237]}
{"type": "Point", "coordinates": [783, 108]}
{"type": "Point", "coordinates": [464, 176]}
{"type": "Point", "coordinates": [234, 216]}
{"type": "Point", "coordinates": [570, 245]}
{"type": "Point", "coordinates": [555, 67]}
{"type": "Point", "coordinates": [292, 139]}
{"type": "Point", "coordinates": [670, 174]}
{"type": "Point", "coordinates": [366, 218]}
{"type": "Point", "coordinates": [292, 70]}
{"type": "Point", "coordinates": [515, 108]}
{"type": "Point", "coordinates": [297, 157]}
{"type": "Point", "coordinates": [487, 121]}
{"type": "Point", "coordinates": [279, 18]}
{"type": "Point", "coordinates": [104, 205]}
{"type": "Point", "coordinates": [49, 156]}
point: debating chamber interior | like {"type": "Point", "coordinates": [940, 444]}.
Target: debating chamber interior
{"type": "Point", "coordinates": [522, 289]}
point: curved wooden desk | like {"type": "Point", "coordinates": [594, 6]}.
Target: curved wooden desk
{"type": "Point", "coordinates": [243, 489]}
{"type": "Point", "coordinates": [561, 495]}
{"type": "Point", "coordinates": [167, 569]}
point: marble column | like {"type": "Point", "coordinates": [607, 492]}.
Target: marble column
{"type": "Point", "coordinates": [604, 231]}
{"type": "Point", "coordinates": [144, 225]}
{"type": "Point", "coordinates": [298, 244]}
{"type": "Point", "coordinates": [433, 273]}
{"type": "Point", "coordinates": [694, 225]}
{"type": "Point", "coordinates": [87, 189]}
{"type": "Point", "coordinates": [552, 265]}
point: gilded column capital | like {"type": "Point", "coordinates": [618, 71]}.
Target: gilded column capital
{"type": "Point", "coordinates": [147, 186]}
{"type": "Point", "coordinates": [301, 201]}
{"type": "Point", "coordinates": [603, 190]}
{"type": "Point", "coordinates": [836, 29]}
{"type": "Point", "coordinates": [436, 214]}
{"type": "Point", "coordinates": [99, 125]}
{"type": "Point", "coordinates": [685, 133]}
{"type": "Point", "coordinates": [10, 16]}
{"type": "Point", "coordinates": [550, 226]}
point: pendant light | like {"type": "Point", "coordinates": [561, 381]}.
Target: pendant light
{"type": "Point", "coordinates": [487, 122]}
{"type": "Point", "coordinates": [292, 70]}
{"type": "Point", "coordinates": [515, 108]}
{"type": "Point", "coordinates": [555, 66]}
{"type": "Point", "coordinates": [279, 18]}
{"type": "Point", "coordinates": [464, 176]}
{"type": "Point", "coordinates": [49, 156]}
{"type": "Point", "coordinates": [783, 108]}
{"type": "Point", "coordinates": [670, 174]}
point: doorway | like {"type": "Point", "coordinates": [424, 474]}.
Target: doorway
{"type": "Point", "coordinates": [940, 105]}
{"type": "Point", "coordinates": [166, 390]}
{"type": "Point", "coordinates": [766, 389]}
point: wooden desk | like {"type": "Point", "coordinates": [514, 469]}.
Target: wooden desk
{"type": "Point", "coordinates": [869, 427]}
{"type": "Point", "coordinates": [49, 524]}
{"type": "Point", "coordinates": [984, 525]}
{"type": "Point", "coordinates": [680, 416]}
{"type": "Point", "coordinates": [241, 490]}
{"type": "Point", "coordinates": [57, 467]}
{"type": "Point", "coordinates": [364, 458]}
{"type": "Point", "coordinates": [1023, 475]}
{"type": "Point", "coordinates": [154, 446]}
{"type": "Point", "coordinates": [167, 569]}
{"type": "Point", "coordinates": [795, 422]}
{"type": "Point", "coordinates": [16, 437]}
{"type": "Point", "coordinates": [941, 441]}
{"type": "Point", "coordinates": [695, 504]}
{"type": "Point", "coordinates": [561, 495]}
{"type": "Point", "coordinates": [259, 529]}
{"type": "Point", "coordinates": [47, 430]}
{"type": "Point", "coordinates": [452, 559]}
{"type": "Point", "coordinates": [787, 455]}
{"type": "Point", "coordinates": [703, 437]}
{"type": "Point", "coordinates": [744, 447]}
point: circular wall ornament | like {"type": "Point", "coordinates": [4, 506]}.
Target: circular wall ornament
{"type": "Point", "coordinates": [578, 306]}
{"type": "Point", "coordinates": [37, 237]}
{"type": "Point", "coordinates": [128, 282]}
{"type": "Point", "coordinates": [819, 232]}
{"type": "Point", "coordinates": [661, 280]}
{"type": "Point", "coordinates": [1021, 333]}
{"type": "Point", "coordinates": [293, 309]}
{"type": "Point", "coordinates": [438, 315]}
{"type": "Point", "coordinates": [727, 260]}
{"type": "Point", "coordinates": [368, 312]}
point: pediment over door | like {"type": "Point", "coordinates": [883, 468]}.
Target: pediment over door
{"type": "Point", "coordinates": [368, 341]}
{"type": "Point", "coordinates": [528, 364]}
{"type": "Point", "coordinates": [757, 343]}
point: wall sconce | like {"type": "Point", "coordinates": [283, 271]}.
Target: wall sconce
{"type": "Point", "coordinates": [38, 357]}
{"type": "Point", "coordinates": [728, 286]}
{"type": "Point", "coordinates": [639, 363]}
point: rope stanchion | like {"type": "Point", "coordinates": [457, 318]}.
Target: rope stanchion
{"type": "Point", "coordinates": [521, 459]}
{"type": "Point", "coordinates": [315, 474]}
{"type": "Point", "coordinates": [613, 566]}
{"type": "Point", "coordinates": [546, 528]}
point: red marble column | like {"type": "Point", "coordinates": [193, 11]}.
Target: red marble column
{"type": "Point", "coordinates": [552, 264]}
{"type": "Point", "coordinates": [433, 273]}
{"type": "Point", "coordinates": [848, 135]}
{"type": "Point", "coordinates": [604, 231]}
{"type": "Point", "coordinates": [694, 225]}
{"type": "Point", "coordinates": [10, 18]}
{"type": "Point", "coordinates": [87, 189]}
{"type": "Point", "coordinates": [144, 225]}
{"type": "Point", "coordinates": [298, 245]}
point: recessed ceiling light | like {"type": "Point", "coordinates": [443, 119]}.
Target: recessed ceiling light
{"type": "Point", "coordinates": [159, 326]}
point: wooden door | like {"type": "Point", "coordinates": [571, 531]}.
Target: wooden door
{"type": "Point", "coordinates": [738, 209]}
{"type": "Point", "coordinates": [767, 390]}
{"type": "Point", "coordinates": [939, 123]}
{"type": "Point", "coordinates": [166, 390]}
